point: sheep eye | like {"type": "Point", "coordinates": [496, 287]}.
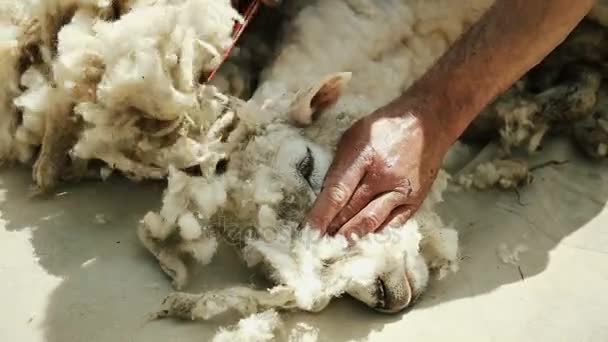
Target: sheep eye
{"type": "Point", "coordinates": [306, 165]}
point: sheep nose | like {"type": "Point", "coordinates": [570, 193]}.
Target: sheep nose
{"type": "Point", "coordinates": [393, 296]}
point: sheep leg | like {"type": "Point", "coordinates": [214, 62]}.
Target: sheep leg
{"type": "Point", "coordinates": [60, 134]}
{"type": "Point", "coordinates": [573, 99]}
{"type": "Point", "coordinates": [242, 300]}
{"type": "Point", "coordinates": [131, 169]}
{"type": "Point", "coordinates": [168, 258]}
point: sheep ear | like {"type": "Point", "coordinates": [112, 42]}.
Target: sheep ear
{"type": "Point", "coordinates": [310, 102]}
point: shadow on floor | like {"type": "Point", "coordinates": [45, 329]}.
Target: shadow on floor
{"type": "Point", "coordinates": [110, 283]}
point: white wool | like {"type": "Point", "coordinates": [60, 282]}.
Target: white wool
{"type": "Point", "coordinates": [504, 173]}
{"type": "Point", "coordinates": [156, 226]}
{"type": "Point", "coordinates": [267, 191]}
{"type": "Point", "coordinates": [201, 249]}
{"type": "Point", "coordinates": [265, 326]}
{"type": "Point", "coordinates": [34, 103]}
{"type": "Point", "coordinates": [105, 173]}
{"type": "Point", "coordinates": [189, 228]}
{"type": "Point", "coordinates": [117, 76]}
{"type": "Point", "coordinates": [267, 217]}
{"type": "Point", "coordinates": [511, 256]}
{"type": "Point", "coordinates": [183, 190]}
{"type": "Point", "coordinates": [158, 36]}
{"type": "Point", "coordinates": [208, 197]}
{"type": "Point", "coordinates": [255, 328]}
{"type": "Point", "coordinates": [299, 264]}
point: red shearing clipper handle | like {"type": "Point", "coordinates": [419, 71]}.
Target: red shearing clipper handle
{"type": "Point", "coordinates": [248, 9]}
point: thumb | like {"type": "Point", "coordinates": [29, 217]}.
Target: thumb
{"type": "Point", "coordinates": [399, 217]}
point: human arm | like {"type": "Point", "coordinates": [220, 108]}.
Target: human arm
{"type": "Point", "coordinates": [386, 162]}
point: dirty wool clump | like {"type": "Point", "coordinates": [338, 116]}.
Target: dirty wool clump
{"type": "Point", "coordinates": [502, 173]}
{"type": "Point", "coordinates": [565, 94]}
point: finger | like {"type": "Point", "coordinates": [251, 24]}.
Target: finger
{"type": "Point", "coordinates": [373, 215]}
{"type": "Point", "coordinates": [340, 183]}
{"type": "Point", "coordinates": [363, 195]}
{"type": "Point", "coordinates": [366, 192]}
{"type": "Point", "coordinates": [398, 217]}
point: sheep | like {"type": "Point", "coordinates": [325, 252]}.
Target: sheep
{"type": "Point", "coordinates": [77, 96]}
{"type": "Point", "coordinates": [286, 135]}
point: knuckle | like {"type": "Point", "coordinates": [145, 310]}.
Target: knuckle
{"type": "Point", "coordinates": [367, 157]}
{"type": "Point", "coordinates": [399, 219]}
{"type": "Point", "coordinates": [399, 197]}
{"type": "Point", "coordinates": [404, 187]}
{"type": "Point", "coordinates": [347, 210]}
{"type": "Point", "coordinates": [337, 195]}
{"type": "Point", "coordinates": [370, 221]}
{"type": "Point", "coordinates": [350, 209]}
{"type": "Point", "coordinates": [341, 218]}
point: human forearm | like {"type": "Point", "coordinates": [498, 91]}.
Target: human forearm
{"type": "Point", "coordinates": [511, 38]}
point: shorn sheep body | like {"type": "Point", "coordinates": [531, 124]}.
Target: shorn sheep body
{"type": "Point", "coordinates": [93, 87]}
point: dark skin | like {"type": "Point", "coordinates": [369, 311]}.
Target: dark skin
{"type": "Point", "coordinates": [386, 162]}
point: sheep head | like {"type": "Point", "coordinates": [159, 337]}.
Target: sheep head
{"type": "Point", "coordinates": [301, 162]}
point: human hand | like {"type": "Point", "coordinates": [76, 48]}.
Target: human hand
{"type": "Point", "coordinates": [386, 162]}
{"type": "Point", "coordinates": [383, 169]}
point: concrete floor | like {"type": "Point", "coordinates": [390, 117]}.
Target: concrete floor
{"type": "Point", "coordinates": [65, 277]}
